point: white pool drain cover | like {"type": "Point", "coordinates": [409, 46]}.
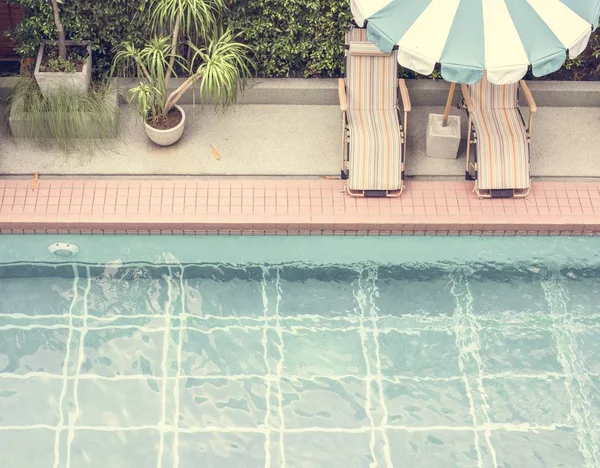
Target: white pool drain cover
{"type": "Point", "coordinates": [63, 249]}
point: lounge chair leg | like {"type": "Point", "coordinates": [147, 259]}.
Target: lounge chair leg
{"type": "Point", "coordinates": [468, 175]}
{"type": "Point", "coordinates": [345, 132]}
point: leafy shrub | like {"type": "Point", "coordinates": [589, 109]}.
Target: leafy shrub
{"type": "Point", "coordinates": [52, 62]}
{"type": "Point", "coordinates": [59, 65]}
{"type": "Point", "coordinates": [107, 23]}
{"type": "Point", "coordinates": [293, 37]}
{"type": "Point", "coordinates": [298, 38]}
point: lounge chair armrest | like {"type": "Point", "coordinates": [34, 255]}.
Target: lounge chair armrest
{"type": "Point", "coordinates": [467, 96]}
{"type": "Point", "coordinates": [527, 93]}
{"type": "Point", "coordinates": [404, 95]}
{"type": "Point", "coordinates": [342, 94]}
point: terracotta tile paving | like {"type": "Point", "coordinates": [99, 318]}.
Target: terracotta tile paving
{"type": "Point", "coordinates": [289, 207]}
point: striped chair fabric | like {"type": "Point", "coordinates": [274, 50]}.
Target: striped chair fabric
{"type": "Point", "coordinates": [375, 137]}
{"type": "Point", "coordinates": [486, 95]}
{"type": "Point", "coordinates": [365, 48]}
{"type": "Point", "coordinates": [502, 146]}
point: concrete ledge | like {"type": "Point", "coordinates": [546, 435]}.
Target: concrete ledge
{"type": "Point", "coordinates": [315, 91]}
{"type": "Point", "coordinates": [291, 91]}
{"type": "Point", "coordinates": [546, 93]}
{"type": "Point", "coordinates": [274, 91]}
{"type": "Point", "coordinates": [565, 93]}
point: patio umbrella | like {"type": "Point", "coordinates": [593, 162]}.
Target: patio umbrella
{"type": "Point", "coordinates": [466, 37]}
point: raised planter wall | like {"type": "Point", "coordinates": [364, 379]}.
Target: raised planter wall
{"type": "Point", "coordinates": [296, 91]}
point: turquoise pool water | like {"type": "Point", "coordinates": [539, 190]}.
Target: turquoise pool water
{"type": "Point", "coordinates": [300, 352]}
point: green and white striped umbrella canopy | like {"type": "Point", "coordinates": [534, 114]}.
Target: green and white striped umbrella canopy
{"type": "Point", "coordinates": [466, 37]}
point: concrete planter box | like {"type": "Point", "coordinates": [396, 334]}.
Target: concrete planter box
{"type": "Point", "coordinates": [19, 119]}
{"type": "Point", "coordinates": [78, 82]}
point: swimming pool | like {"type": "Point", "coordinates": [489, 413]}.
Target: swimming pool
{"type": "Point", "coordinates": [235, 352]}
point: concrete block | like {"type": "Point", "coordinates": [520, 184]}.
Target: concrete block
{"type": "Point", "coordinates": [78, 82]}
{"type": "Point", "coordinates": [442, 142]}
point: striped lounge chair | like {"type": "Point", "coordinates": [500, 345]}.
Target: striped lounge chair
{"type": "Point", "coordinates": [374, 141]}
{"type": "Point", "coordinates": [499, 163]}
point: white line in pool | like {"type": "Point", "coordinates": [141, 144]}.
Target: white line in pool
{"type": "Point", "coordinates": [83, 331]}
{"type": "Point", "coordinates": [63, 392]}
{"type": "Point", "coordinates": [164, 371]}
{"type": "Point", "coordinates": [182, 328]}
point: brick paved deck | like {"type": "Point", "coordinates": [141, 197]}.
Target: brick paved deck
{"type": "Point", "coordinates": [289, 207]}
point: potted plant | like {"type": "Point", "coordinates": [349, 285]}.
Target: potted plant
{"type": "Point", "coordinates": [67, 64]}
{"type": "Point", "coordinates": [214, 59]}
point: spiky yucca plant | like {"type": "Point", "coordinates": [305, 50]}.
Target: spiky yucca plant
{"type": "Point", "coordinates": [216, 59]}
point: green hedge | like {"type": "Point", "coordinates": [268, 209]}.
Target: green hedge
{"type": "Point", "coordinates": [105, 22]}
{"type": "Point", "coordinates": [294, 37]}
{"type": "Point", "coordinates": [288, 37]}
{"type": "Point", "coordinates": [297, 38]}
{"type": "Point", "coordinates": [305, 38]}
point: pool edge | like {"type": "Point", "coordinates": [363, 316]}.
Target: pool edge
{"type": "Point", "coordinates": [234, 206]}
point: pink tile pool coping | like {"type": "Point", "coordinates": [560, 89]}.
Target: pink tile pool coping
{"type": "Point", "coordinates": [289, 207]}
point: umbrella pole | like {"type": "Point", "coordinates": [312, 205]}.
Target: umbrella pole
{"type": "Point", "coordinates": [448, 104]}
